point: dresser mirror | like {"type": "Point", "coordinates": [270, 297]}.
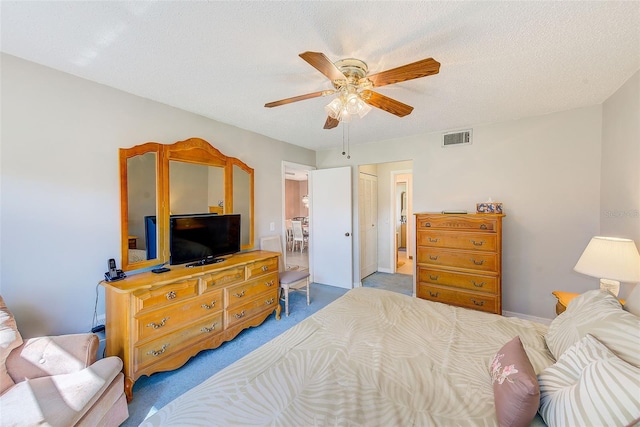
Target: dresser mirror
{"type": "Point", "coordinates": [191, 176]}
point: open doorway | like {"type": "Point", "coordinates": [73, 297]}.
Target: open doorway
{"type": "Point", "coordinates": [385, 225]}
{"type": "Point", "coordinates": [403, 222]}
{"type": "Point", "coordinates": [296, 215]}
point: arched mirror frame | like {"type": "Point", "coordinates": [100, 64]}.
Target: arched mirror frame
{"type": "Point", "coordinates": [193, 150]}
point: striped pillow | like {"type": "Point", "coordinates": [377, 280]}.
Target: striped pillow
{"type": "Point", "coordinates": [600, 314]}
{"type": "Point", "coordinates": [589, 385]}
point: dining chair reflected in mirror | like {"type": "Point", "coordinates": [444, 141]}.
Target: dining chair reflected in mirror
{"type": "Point", "coordinates": [290, 280]}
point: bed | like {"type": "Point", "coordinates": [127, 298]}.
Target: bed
{"type": "Point", "coordinates": [378, 358]}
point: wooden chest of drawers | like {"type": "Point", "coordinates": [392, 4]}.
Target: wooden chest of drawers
{"type": "Point", "coordinates": [459, 259]}
{"type": "Point", "coordinates": [156, 322]}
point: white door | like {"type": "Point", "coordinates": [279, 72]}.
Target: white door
{"type": "Point", "coordinates": [331, 234]}
{"type": "Point", "coordinates": [368, 214]}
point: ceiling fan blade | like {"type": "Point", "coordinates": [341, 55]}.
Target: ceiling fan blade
{"type": "Point", "coordinates": [321, 63]}
{"type": "Point", "coordinates": [387, 104]}
{"type": "Point", "coordinates": [299, 98]}
{"type": "Point", "coordinates": [415, 70]}
{"type": "Point", "coordinates": [331, 123]}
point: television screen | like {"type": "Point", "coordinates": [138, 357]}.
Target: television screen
{"type": "Point", "coordinates": [202, 237]}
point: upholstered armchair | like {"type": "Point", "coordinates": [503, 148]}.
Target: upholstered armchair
{"type": "Point", "coordinates": [57, 380]}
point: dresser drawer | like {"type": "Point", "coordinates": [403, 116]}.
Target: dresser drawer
{"type": "Point", "coordinates": [464, 299]}
{"type": "Point", "coordinates": [157, 322]}
{"type": "Point", "coordinates": [470, 241]}
{"type": "Point", "coordinates": [470, 260]}
{"type": "Point", "coordinates": [474, 282]}
{"type": "Point", "coordinates": [238, 294]}
{"type": "Point", "coordinates": [162, 295]}
{"type": "Point", "coordinates": [455, 222]}
{"type": "Point", "coordinates": [259, 268]}
{"type": "Point", "coordinates": [267, 301]}
{"type": "Point", "coordinates": [223, 278]}
{"type": "Point", "coordinates": [163, 347]}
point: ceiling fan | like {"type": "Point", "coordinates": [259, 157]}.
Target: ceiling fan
{"type": "Point", "coordinates": [353, 85]}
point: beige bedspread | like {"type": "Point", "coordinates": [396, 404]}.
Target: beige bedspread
{"type": "Point", "coordinates": [370, 358]}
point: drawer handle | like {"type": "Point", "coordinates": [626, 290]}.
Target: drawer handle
{"type": "Point", "coordinates": [211, 329]}
{"type": "Point", "coordinates": [240, 294]}
{"type": "Point", "coordinates": [432, 277]}
{"type": "Point", "coordinates": [480, 243]}
{"type": "Point", "coordinates": [432, 240]}
{"type": "Point", "coordinates": [480, 262]}
{"type": "Point", "coordinates": [170, 295]}
{"type": "Point", "coordinates": [209, 307]}
{"type": "Point", "coordinates": [269, 301]}
{"type": "Point", "coordinates": [433, 257]}
{"type": "Point", "coordinates": [158, 352]}
{"type": "Point", "coordinates": [157, 325]}
{"type": "Point", "coordinates": [427, 224]}
{"type": "Point", "coordinates": [269, 283]}
{"type": "Point", "coordinates": [483, 226]}
{"type": "Point", "coordinates": [434, 294]}
{"type": "Point", "coordinates": [478, 285]}
{"type": "Point", "coordinates": [239, 315]}
{"type": "Point", "coordinates": [265, 268]}
{"type": "Point", "coordinates": [478, 303]}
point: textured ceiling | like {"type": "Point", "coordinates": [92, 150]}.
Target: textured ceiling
{"type": "Point", "coordinates": [225, 60]}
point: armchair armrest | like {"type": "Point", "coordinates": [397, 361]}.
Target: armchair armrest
{"type": "Point", "coordinates": [54, 355]}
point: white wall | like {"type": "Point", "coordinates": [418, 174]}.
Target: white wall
{"type": "Point", "coordinates": [546, 171]}
{"type": "Point", "coordinates": [620, 185]}
{"type": "Point", "coordinates": [60, 206]}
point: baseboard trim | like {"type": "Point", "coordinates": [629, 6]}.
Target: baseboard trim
{"type": "Point", "coordinates": [542, 320]}
{"type": "Point", "coordinates": [385, 270]}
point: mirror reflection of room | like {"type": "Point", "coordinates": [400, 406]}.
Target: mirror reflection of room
{"type": "Point", "coordinates": [297, 219]}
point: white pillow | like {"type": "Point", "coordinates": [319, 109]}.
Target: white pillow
{"type": "Point", "coordinates": [632, 302]}
{"type": "Point", "coordinates": [589, 385]}
{"type": "Point", "coordinates": [600, 314]}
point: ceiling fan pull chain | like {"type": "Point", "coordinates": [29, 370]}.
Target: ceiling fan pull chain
{"type": "Point", "coordinates": [348, 145]}
{"type": "Point", "coordinates": [343, 125]}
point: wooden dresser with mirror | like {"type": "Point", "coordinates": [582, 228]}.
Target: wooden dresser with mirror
{"type": "Point", "coordinates": [156, 322]}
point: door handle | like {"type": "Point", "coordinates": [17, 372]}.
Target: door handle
{"type": "Point", "coordinates": [347, 234]}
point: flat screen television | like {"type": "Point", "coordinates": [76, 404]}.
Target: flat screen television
{"type": "Point", "coordinates": [203, 238]}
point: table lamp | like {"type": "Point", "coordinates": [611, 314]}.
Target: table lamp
{"type": "Point", "coordinates": [612, 260]}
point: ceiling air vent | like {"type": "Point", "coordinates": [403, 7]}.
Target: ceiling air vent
{"type": "Point", "coordinates": [462, 137]}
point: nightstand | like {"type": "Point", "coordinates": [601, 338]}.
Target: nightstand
{"type": "Point", "coordinates": [563, 300]}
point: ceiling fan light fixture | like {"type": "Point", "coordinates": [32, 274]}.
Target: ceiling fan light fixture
{"type": "Point", "coordinates": [334, 108]}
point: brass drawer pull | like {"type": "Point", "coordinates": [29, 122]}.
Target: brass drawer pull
{"type": "Point", "coordinates": [239, 315]}
{"type": "Point", "coordinates": [427, 224]}
{"type": "Point", "coordinates": [265, 268]}
{"type": "Point", "coordinates": [209, 306]}
{"type": "Point", "coordinates": [432, 240]}
{"type": "Point", "coordinates": [478, 285]}
{"type": "Point", "coordinates": [432, 277]}
{"type": "Point", "coordinates": [211, 329]}
{"type": "Point", "coordinates": [477, 262]}
{"type": "Point", "coordinates": [480, 243]}
{"type": "Point", "coordinates": [434, 294]}
{"type": "Point", "coordinates": [157, 325]}
{"type": "Point", "coordinates": [240, 294]}
{"type": "Point", "coordinates": [269, 301]}
{"type": "Point", "coordinates": [433, 258]}
{"type": "Point", "coordinates": [269, 283]}
{"type": "Point", "coordinates": [158, 352]}
{"type": "Point", "coordinates": [170, 295]}
{"type": "Point", "coordinates": [483, 226]}
{"type": "Point", "coordinates": [478, 303]}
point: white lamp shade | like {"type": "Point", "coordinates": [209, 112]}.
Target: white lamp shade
{"type": "Point", "coordinates": [610, 258]}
